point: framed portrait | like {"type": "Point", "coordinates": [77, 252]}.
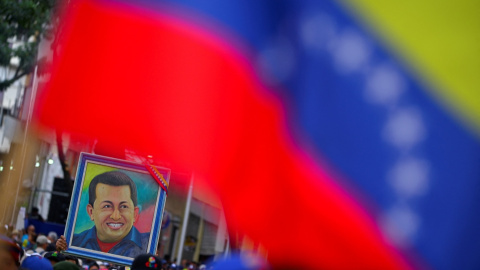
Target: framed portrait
{"type": "Point", "coordinates": [116, 209]}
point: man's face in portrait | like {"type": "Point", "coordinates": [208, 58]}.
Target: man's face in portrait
{"type": "Point", "coordinates": [113, 212]}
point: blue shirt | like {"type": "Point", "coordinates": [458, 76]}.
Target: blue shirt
{"type": "Point", "coordinates": [26, 243]}
{"type": "Point", "coordinates": [133, 244]}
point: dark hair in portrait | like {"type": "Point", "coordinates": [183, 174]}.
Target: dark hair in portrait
{"type": "Point", "coordinates": [112, 178]}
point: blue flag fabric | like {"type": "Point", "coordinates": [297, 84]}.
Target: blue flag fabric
{"type": "Point", "coordinates": [354, 103]}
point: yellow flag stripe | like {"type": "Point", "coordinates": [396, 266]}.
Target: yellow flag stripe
{"type": "Point", "coordinates": [440, 40]}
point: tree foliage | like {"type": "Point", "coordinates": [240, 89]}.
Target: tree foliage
{"type": "Point", "coordinates": [23, 23]}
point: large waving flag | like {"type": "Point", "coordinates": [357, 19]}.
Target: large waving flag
{"type": "Point", "coordinates": [338, 135]}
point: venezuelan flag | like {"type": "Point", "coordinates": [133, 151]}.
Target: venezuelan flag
{"type": "Point", "coordinates": [338, 134]}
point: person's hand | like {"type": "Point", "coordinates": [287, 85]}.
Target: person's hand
{"type": "Point", "coordinates": [61, 243]}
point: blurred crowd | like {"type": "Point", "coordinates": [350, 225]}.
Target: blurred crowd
{"type": "Point", "coordinates": [28, 250]}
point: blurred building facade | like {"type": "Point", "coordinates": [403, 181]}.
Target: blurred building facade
{"type": "Point", "coordinates": [14, 112]}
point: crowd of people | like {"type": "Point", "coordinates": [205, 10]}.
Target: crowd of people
{"type": "Point", "coordinates": [27, 250]}
{"type": "Point", "coordinates": [112, 207]}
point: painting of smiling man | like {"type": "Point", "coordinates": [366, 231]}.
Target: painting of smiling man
{"type": "Point", "coordinates": [113, 207]}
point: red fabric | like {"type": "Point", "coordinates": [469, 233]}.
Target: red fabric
{"type": "Point", "coordinates": [105, 247]}
{"type": "Point", "coordinates": [159, 86]}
